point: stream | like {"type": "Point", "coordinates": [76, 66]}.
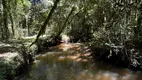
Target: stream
{"type": "Point", "coordinates": [74, 62]}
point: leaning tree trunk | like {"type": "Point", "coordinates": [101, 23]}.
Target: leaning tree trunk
{"type": "Point", "coordinates": [43, 27]}
{"type": "Point", "coordinates": [64, 25]}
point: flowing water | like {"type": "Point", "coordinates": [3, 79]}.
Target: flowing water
{"type": "Point", "coordinates": [73, 62]}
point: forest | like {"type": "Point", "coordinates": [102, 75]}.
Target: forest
{"type": "Point", "coordinates": [70, 36]}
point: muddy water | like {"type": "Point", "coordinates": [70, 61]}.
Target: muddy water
{"type": "Point", "coordinates": [73, 62]}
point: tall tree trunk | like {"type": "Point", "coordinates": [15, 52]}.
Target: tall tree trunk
{"type": "Point", "coordinates": [43, 27]}
{"type": "Point", "coordinates": [12, 25]}
{"type": "Point", "coordinates": [1, 19]}
{"type": "Point", "coordinates": [5, 20]}
{"type": "Point", "coordinates": [138, 29]}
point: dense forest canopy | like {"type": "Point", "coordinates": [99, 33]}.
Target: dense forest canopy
{"type": "Point", "coordinates": [111, 21]}
{"type": "Point", "coordinates": [100, 22]}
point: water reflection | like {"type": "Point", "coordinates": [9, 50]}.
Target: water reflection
{"type": "Point", "coordinates": [75, 63]}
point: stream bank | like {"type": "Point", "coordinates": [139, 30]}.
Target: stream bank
{"type": "Point", "coordinates": [75, 62]}
{"type": "Point", "coordinates": [63, 55]}
{"type": "Point", "coordinates": [16, 56]}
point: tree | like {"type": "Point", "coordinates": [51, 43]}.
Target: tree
{"type": "Point", "coordinates": [43, 27]}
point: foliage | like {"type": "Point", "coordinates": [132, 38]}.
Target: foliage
{"type": "Point", "coordinates": [114, 21]}
{"type": "Point", "coordinates": [6, 71]}
{"type": "Point", "coordinates": [100, 22]}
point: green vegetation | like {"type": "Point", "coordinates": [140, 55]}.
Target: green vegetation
{"type": "Point", "coordinates": [115, 25]}
{"type": "Point", "coordinates": [5, 71]}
